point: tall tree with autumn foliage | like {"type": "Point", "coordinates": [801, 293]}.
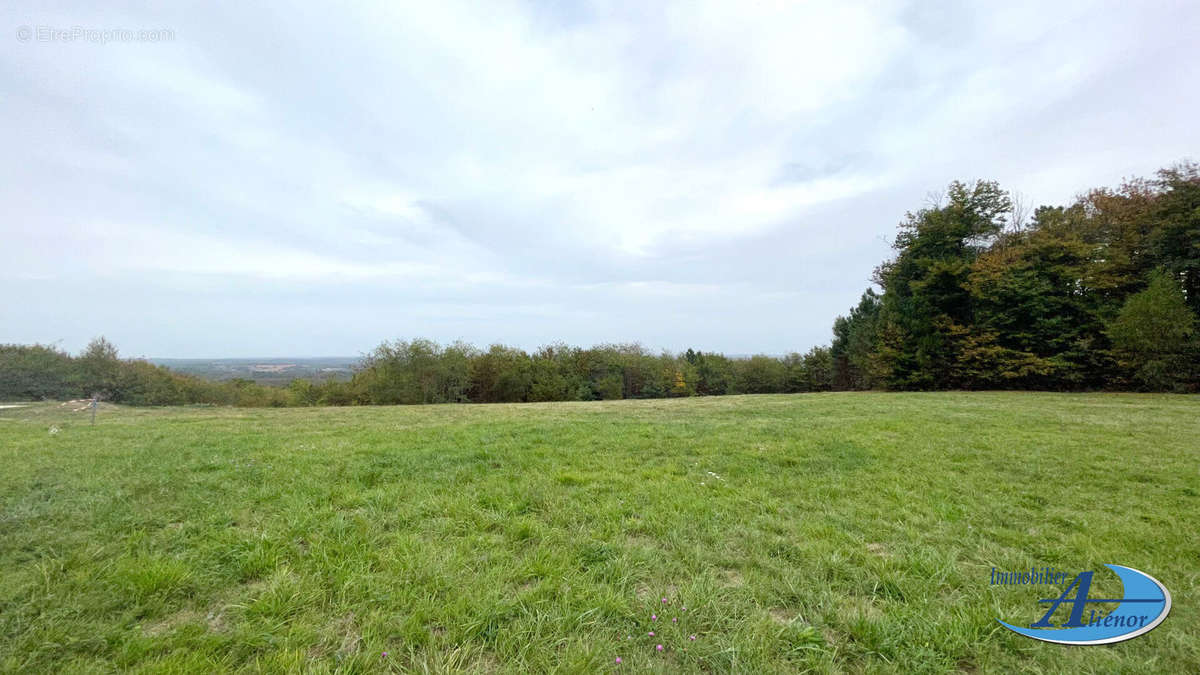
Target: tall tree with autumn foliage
{"type": "Point", "coordinates": [1066, 302]}
{"type": "Point", "coordinates": [927, 312]}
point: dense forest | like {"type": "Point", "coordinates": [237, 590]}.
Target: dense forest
{"type": "Point", "coordinates": [1101, 294]}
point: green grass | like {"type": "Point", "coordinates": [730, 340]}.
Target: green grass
{"type": "Point", "coordinates": [840, 532]}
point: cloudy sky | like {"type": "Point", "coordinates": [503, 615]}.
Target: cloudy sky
{"type": "Point", "coordinates": [723, 175]}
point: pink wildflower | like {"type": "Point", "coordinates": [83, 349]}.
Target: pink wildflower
{"type": "Point", "coordinates": [659, 648]}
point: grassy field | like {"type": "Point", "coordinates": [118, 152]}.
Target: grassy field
{"type": "Point", "coordinates": [831, 532]}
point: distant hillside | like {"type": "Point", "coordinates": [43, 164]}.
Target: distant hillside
{"type": "Point", "coordinates": [265, 370]}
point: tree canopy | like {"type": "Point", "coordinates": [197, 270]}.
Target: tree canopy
{"type": "Point", "coordinates": [1101, 293]}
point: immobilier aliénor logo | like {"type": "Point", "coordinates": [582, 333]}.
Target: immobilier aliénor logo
{"type": "Point", "coordinates": [1144, 603]}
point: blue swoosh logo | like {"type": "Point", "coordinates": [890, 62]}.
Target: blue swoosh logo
{"type": "Point", "coordinates": [1143, 596]}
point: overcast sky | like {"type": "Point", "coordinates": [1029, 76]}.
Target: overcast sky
{"type": "Point", "coordinates": [722, 175]}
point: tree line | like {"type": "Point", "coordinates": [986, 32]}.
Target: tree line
{"type": "Point", "coordinates": [421, 371]}
{"type": "Point", "coordinates": [1103, 293]}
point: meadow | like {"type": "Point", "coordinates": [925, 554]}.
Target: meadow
{"type": "Point", "coordinates": [834, 532]}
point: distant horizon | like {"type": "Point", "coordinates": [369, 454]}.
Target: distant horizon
{"type": "Point", "coordinates": [263, 359]}
{"type": "Point", "coordinates": [653, 350]}
{"type": "Point", "coordinates": [246, 358]}
{"type": "Point", "coordinates": [484, 346]}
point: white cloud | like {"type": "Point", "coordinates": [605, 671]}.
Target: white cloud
{"type": "Point", "coordinates": [713, 173]}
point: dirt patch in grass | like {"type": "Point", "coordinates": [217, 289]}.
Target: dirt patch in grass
{"type": "Point", "coordinates": [732, 578]}
{"type": "Point", "coordinates": [216, 621]}
{"type": "Point", "coordinates": [351, 637]}
{"type": "Point", "coordinates": [783, 616]}
{"type": "Point", "coordinates": [879, 549]}
{"type": "Point", "coordinates": [858, 607]}
{"type": "Point", "coordinates": [486, 663]}
{"type": "Point", "coordinates": [213, 618]}
{"type": "Point", "coordinates": [170, 622]}
{"type": "Point", "coordinates": [341, 636]}
{"type": "Point", "coordinates": [641, 541]}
